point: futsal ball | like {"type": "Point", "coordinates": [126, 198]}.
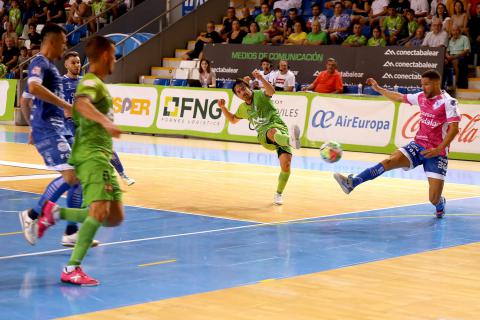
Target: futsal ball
{"type": "Point", "coordinates": [3, 70]}
{"type": "Point", "coordinates": [331, 151]}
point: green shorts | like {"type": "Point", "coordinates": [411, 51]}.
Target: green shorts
{"type": "Point", "coordinates": [270, 145]}
{"type": "Point", "coordinates": [98, 181]}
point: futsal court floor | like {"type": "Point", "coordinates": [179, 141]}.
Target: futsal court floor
{"type": "Point", "coordinates": [202, 239]}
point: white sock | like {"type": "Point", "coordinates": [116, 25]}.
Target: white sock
{"type": "Point", "coordinates": [69, 269]}
{"type": "Point", "coordinates": [56, 212]}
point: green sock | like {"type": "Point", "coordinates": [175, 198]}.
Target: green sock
{"type": "Point", "coordinates": [74, 215]}
{"type": "Point", "coordinates": [282, 181]}
{"type": "Point", "coordinates": [281, 139]}
{"type": "Point", "coordinates": [85, 236]}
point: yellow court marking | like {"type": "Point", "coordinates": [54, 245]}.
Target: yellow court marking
{"type": "Point", "coordinates": [156, 263]}
{"type": "Point", "coordinates": [10, 233]}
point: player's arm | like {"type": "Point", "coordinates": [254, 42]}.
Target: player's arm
{"type": "Point", "coordinates": [42, 93]}
{"type": "Point", "coordinates": [85, 107]}
{"type": "Point", "coordinates": [267, 86]}
{"type": "Point", "coordinates": [26, 108]}
{"type": "Point", "coordinates": [392, 95]}
{"type": "Point", "coordinates": [230, 116]}
{"type": "Point", "coordinates": [451, 133]}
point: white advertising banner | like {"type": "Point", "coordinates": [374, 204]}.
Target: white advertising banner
{"type": "Point", "coordinates": [196, 110]}
{"type": "Point", "coordinates": [348, 121]}
{"type": "Point", "coordinates": [4, 85]}
{"type": "Point", "coordinates": [292, 110]}
{"type": "Point", "coordinates": [134, 106]}
{"type": "Point", "coordinates": [467, 141]}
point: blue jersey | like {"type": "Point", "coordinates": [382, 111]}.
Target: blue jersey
{"type": "Point", "coordinates": [46, 117]}
{"type": "Point", "coordinates": [69, 87]}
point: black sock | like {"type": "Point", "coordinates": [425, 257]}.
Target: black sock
{"type": "Point", "coordinates": [71, 229]}
{"type": "Point", "coordinates": [33, 214]}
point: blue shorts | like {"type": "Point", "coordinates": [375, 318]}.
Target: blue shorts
{"type": "Point", "coordinates": [435, 168]}
{"type": "Point", "coordinates": [55, 150]}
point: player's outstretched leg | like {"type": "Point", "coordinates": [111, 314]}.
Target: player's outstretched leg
{"type": "Point", "coordinates": [435, 196]}
{"type": "Point", "coordinates": [285, 162]}
{"type": "Point", "coordinates": [121, 171]}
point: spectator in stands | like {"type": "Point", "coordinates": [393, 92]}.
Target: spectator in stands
{"type": "Point", "coordinates": [284, 79]}
{"type": "Point", "coordinates": [267, 72]}
{"type": "Point", "coordinates": [327, 81]}
{"type": "Point", "coordinates": [298, 36]}
{"type": "Point", "coordinates": [28, 12]}
{"type": "Point", "coordinates": [377, 12]}
{"type": "Point", "coordinates": [79, 12]}
{"type": "Point", "coordinates": [474, 28]}
{"type": "Point", "coordinates": [21, 59]}
{"type": "Point", "coordinates": [207, 77]}
{"type": "Point", "coordinates": [437, 37]}
{"type": "Point", "coordinates": [56, 12]}
{"type": "Point", "coordinates": [40, 8]}
{"type": "Point", "coordinates": [254, 36]}
{"type": "Point", "coordinates": [317, 15]}
{"type": "Point", "coordinates": [292, 18]}
{"type": "Point", "coordinates": [237, 34]}
{"type": "Point", "coordinates": [392, 25]}
{"type": "Point", "coordinates": [33, 35]}
{"type": "Point", "coordinates": [338, 24]}
{"type": "Point", "coordinates": [277, 29]}
{"type": "Point", "coordinates": [420, 7]}
{"type": "Point", "coordinates": [417, 41]}
{"type": "Point", "coordinates": [15, 17]}
{"type": "Point", "coordinates": [457, 56]}
{"type": "Point", "coordinates": [357, 39]}
{"type": "Point", "coordinates": [9, 33]}
{"type": "Point", "coordinates": [459, 18]}
{"type": "Point", "coordinates": [376, 40]}
{"type": "Point", "coordinates": [10, 54]}
{"type": "Point", "coordinates": [2, 8]}
{"type": "Point", "coordinates": [411, 27]}
{"type": "Point", "coordinates": [264, 19]}
{"type": "Point", "coordinates": [211, 36]}
{"type": "Point", "coordinates": [360, 11]}
{"type": "Point", "coordinates": [317, 36]}
{"type": "Point", "coordinates": [287, 4]}
{"type": "Point", "coordinates": [401, 6]}
{"type": "Point", "coordinates": [227, 22]}
{"type": "Point", "coordinates": [440, 11]}
{"type": "Point", "coordinates": [246, 19]}
{"type": "Point", "coordinates": [451, 6]}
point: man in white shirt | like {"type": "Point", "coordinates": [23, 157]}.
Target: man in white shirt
{"type": "Point", "coordinates": [437, 37]}
{"type": "Point", "coordinates": [284, 79]}
{"type": "Point", "coordinates": [378, 10]}
{"type": "Point", "coordinates": [420, 7]}
{"type": "Point", "coordinates": [287, 4]}
{"type": "Point", "coordinates": [267, 72]}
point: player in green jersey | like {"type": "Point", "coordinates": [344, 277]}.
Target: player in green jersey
{"type": "Point", "coordinates": [91, 154]}
{"type": "Point", "coordinates": [272, 131]}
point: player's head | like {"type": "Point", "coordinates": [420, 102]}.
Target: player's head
{"type": "Point", "coordinates": [101, 52]}
{"type": "Point", "coordinates": [54, 40]}
{"type": "Point", "coordinates": [431, 83]}
{"type": "Point", "coordinates": [242, 90]}
{"type": "Point", "coordinates": [72, 63]}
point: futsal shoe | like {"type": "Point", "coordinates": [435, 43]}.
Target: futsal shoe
{"type": "Point", "coordinates": [441, 213]}
{"type": "Point", "coordinates": [345, 183]}
{"type": "Point", "coordinates": [47, 219]}
{"type": "Point", "coordinates": [78, 277]}
{"type": "Point", "coordinates": [129, 181]}
{"type": "Point", "coordinates": [278, 199]}
{"type": "Point", "coordinates": [295, 137]}
{"type": "Point", "coordinates": [29, 227]}
{"type": "Point", "coordinates": [69, 240]}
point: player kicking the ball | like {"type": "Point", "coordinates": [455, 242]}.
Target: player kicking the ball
{"type": "Point", "coordinates": [264, 117]}
{"type": "Point", "coordinates": [439, 118]}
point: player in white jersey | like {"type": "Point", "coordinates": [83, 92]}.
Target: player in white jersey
{"type": "Point", "coordinates": [439, 118]}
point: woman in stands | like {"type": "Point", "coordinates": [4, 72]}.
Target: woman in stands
{"type": "Point", "coordinates": [237, 34]}
{"type": "Point", "coordinates": [207, 76]}
{"type": "Point", "coordinates": [254, 37]}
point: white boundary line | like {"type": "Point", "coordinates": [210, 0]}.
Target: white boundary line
{"type": "Point", "coordinates": [29, 177]}
{"type": "Point", "coordinates": [24, 165]}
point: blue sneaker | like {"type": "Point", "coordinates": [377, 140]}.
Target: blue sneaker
{"type": "Point", "coordinates": [345, 183]}
{"type": "Point", "coordinates": [440, 214]}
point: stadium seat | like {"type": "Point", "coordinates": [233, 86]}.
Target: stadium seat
{"type": "Point", "coordinates": [369, 91]}
{"type": "Point", "coordinates": [328, 13]}
{"type": "Point", "coordinates": [366, 31]}
{"type": "Point", "coordinates": [298, 86]}
{"type": "Point", "coordinates": [413, 90]}
{"type": "Point", "coordinates": [402, 90]}
{"type": "Point", "coordinates": [228, 84]}
{"type": "Point", "coordinates": [161, 82]}
{"type": "Point", "coordinates": [350, 89]}
{"type": "Point", "coordinates": [220, 83]}
{"type": "Point", "coordinates": [178, 83]}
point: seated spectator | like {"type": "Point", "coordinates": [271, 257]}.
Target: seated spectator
{"type": "Point", "coordinates": [287, 4]}
{"type": "Point", "coordinates": [338, 24]}
{"type": "Point", "coordinates": [56, 12]}
{"type": "Point", "coordinates": [9, 33]}
{"type": "Point", "coordinates": [21, 59]}
{"type": "Point", "coordinates": [411, 27]}
{"type": "Point", "coordinates": [33, 35]}
{"type": "Point", "coordinates": [317, 36]}
{"type": "Point", "coordinates": [400, 6]}
{"type": "Point", "coordinates": [227, 22]}
{"type": "Point", "coordinates": [377, 12]}
{"type": "Point", "coordinates": [277, 29]}
{"type": "Point", "coordinates": [211, 36]}
{"type": "Point", "coordinates": [237, 34]}
{"type": "Point", "coordinates": [15, 17]}
{"type": "Point", "coordinates": [317, 15]}
{"type": "Point", "coordinates": [437, 37]}
{"type": "Point", "coordinates": [457, 56]}
{"type": "Point", "coordinates": [474, 28]}
{"type": "Point", "coordinates": [451, 5]}
{"type": "Point", "coordinates": [264, 19]}
{"type": "Point", "coordinates": [246, 19]}
{"type": "Point", "coordinates": [207, 78]}
{"type": "Point", "coordinates": [10, 54]}
{"type": "Point", "coordinates": [298, 36]}
{"type": "Point", "coordinates": [420, 7]}
{"type": "Point", "coordinates": [254, 36]}
{"type": "Point", "coordinates": [79, 12]}
{"type": "Point", "coordinates": [357, 39]}
{"type": "Point", "coordinates": [284, 79]}
{"type": "Point", "coordinates": [360, 11]}
{"type": "Point", "coordinates": [327, 81]}
{"type": "Point", "coordinates": [267, 72]}
{"type": "Point", "coordinates": [417, 40]}
{"type": "Point", "coordinates": [442, 13]}
{"type": "Point", "coordinates": [392, 26]}
{"type": "Point", "coordinates": [376, 40]}
{"type": "Point", "coordinates": [40, 8]}
{"type": "Point", "coordinates": [460, 18]}
{"type": "Point", "coordinates": [2, 8]}
{"type": "Point", "coordinates": [292, 18]}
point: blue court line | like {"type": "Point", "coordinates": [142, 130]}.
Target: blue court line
{"type": "Point", "coordinates": [211, 259]}
{"type": "Point", "coordinates": [259, 158]}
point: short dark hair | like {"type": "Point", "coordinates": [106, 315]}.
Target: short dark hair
{"type": "Point", "coordinates": [71, 54]}
{"type": "Point", "coordinates": [96, 46]}
{"type": "Point", "coordinates": [293, 10]}
{"type": "Point", "coordinates": [32, 24]}
{"type": "Point", "coordinates": [316, 5]}
{"type": "Point", "coordinates": [431, 74]}
{"type": "Point", "coordinates": [265, 60]}
{"type": "Point", "coordinates": [410, 11]}
{"type": "Point", "coordinates": [238, 82]}
{"type": "Point", "coordinates": [52, 28]}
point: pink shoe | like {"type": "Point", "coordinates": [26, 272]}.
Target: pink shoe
{"type": "Point", "coordinates": [46, 220]}
{"type": "Point", "coordinates": [79, 278]}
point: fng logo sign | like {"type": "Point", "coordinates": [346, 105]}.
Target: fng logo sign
{"type": "Point", "coordinates": [133, 106]}
{"type": "Point", "coordinates": [201, 108]}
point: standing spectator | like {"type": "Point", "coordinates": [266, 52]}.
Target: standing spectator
{"type": "Point", "coordinates": [10, 54]}
{"type": "Point", "coordinates": [292, 18]}
{"type": "Point", "coordinates": [207, 78]}
{"type": "Point", "coordinates": [15, 17]}
{"type": "Point", "coordinates": [287, 4]}
{"type": "Point", "coordinates": [277, 29]}
{"type": "Point", "coordinates": [211, 36]}
{"type": "Point", "coordinates": [420, 7]}
{"type": "Point", "coordinates": [56, 12]}
{"type": "Point", "coordinates": [237, 34]}
{"type": "Point", "coordinates": [357, 39]}
{"type": "Point", "coordinates": [459, 18]}
{"type": "Point", "coordinates": [379, 10]}
{"type": "Point", "coordinates": [227, 22]}
{"type": "Point", "coordinates": [33, 35]}
{"type": "Point", "coordinates": [329, 80]}
{"type": "Point", "coordinates": [264, 19]}
{"type": "Point", "coordinates": [338, 24]}
{"type": "Point", "coordinates": [254, 36]}
{"type": "Point", "coordinates": [474, 28]}
{"type": "Point", "coordinates": [457, 56]}
{"type": "Point", "coordinates": [360, 11]}
{"type": "Point", "coordinates": [392, 25]}
{"type": "Point", "coordinates": [437, 37]}
{"type": "Point", "coordinates": [376, 40]}
{"type": "Point", "coordinates": [284, 79]}
{"type": "Point", "coordinates": [317, 36]}
{"type": "Point", "coordinates": [298, 36]}
{"type": "Point", "coordinates": [317, 15]}
{"type": "Point", "coordinates": [246, 19]}
{"type": "Point", "coordinates": [417, 41]}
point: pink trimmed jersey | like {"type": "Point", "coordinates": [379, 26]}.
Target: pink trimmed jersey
{"type": "Point", "coordinates": [435, 115]}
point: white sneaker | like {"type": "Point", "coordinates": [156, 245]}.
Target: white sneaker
{"type": "Point", "coordinates": [129, 181]}
{"type": "Point", "coordinates": [295, 137]}
{"type": "Point", "coordinates": [71, 240]}
{"type": "Point", "coordinates": [278, 199]}
{"type": "Point", "coordinates": [29, 227]}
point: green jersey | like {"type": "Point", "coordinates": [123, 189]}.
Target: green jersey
{"type": "Point", "coordinates": [91, 139]}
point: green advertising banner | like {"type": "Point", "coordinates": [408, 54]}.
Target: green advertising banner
{"type": "Point", "coordinates": [7, 99]}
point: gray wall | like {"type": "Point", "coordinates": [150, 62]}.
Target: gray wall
{"type": "Point", "coordinates": [137, 63]}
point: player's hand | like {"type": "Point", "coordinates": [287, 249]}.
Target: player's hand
{"type": "Point", "coordinates": [431, 153]}
{"type": "Point", "coordinates": [112, 129]}
{"type": "Point", "coordinates": [221, 103]}
{"type": "Point", "coordinates": [67, 110]}
{"type": "Point", "coordinates": [257, 75]}
{"type": "Point", "coordinates": [371, 82]}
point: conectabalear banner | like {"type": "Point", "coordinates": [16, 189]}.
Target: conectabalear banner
{"type": "Point", "coordinates": [388, 65]}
